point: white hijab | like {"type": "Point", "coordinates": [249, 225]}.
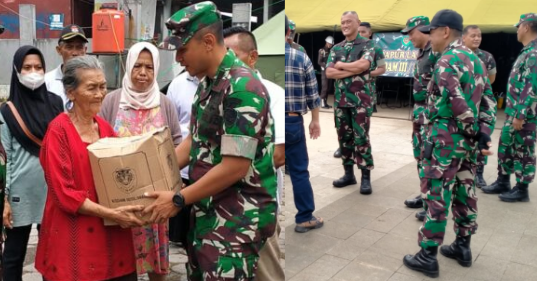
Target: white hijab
{"type": "Point", "coordinates": [131, 99]}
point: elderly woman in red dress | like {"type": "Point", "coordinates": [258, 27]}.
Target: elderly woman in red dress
{"type": "Point", "coordinates": [74, 244]}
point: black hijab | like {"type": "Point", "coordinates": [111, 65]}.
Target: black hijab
{"type": "Point", "coordinates": [36, 108]}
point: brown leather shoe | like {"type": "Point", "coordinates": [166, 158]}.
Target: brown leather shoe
{"type": "Point", "coordinates": [314, 223]}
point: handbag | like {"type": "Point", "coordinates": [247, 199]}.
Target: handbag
{"type": "Point", "coordinates": [23, 125]}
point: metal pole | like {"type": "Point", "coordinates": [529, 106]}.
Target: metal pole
{"type": "Point", "coordinates": [27, 24]}
{"type": "Point", "coordinates": [265, 10]}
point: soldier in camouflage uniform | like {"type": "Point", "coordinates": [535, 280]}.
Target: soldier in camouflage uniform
{"type": "Point", "coordinates": [349, 63]}
{"type": "Point", "coordinates": [327, 84]}
{"type": "Point", "coordinates": [422, 76]}
{"type": "Point", "coordinates": [461, 115]}
{"type": "Point", "coordinates": [229, 153]}
{"type": "Point", "coordinates": [471, 36]}
{"type": "Point", "coordinates": [291, 37]}
{"type": "Point", "coordinates": [516, 152]}
{"type": "Point", "coordinates": [378, 66]}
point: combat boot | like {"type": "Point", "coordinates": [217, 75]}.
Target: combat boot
{"type": "Point", "coordinates": [337, 154]}
{"type": "Point", "coordinates": [421, 215]}
{"type": "Point", "coordinates": [424, 261]}
{"type": "Point", "coordinates": [459, 250]}
{"type": "Point", "coordinates": [501, 185]}
{"type": "Point", "coordinates": [518, 193]}
{"type": "Point", "coordinates": [365, 185]}
{"type": "Point", "coordinates": [414, 203]}
{"type": "Point", "coordinates": [347, 179]}
{"type": "Point", "coordinates": [325, 104]}
{"type": "Point", "coordinates": [479, 180]}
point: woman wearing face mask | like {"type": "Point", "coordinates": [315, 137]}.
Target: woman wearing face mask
{"type": "Point", "coordinates": [25, 118]}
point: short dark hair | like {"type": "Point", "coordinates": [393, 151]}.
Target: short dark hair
{"type": "Point", "coordinates": [286, 25]}
{"type": "Point", "coordinates": [216, 29]}
{"type": "Point", "coordinates": [456, 33]}
{"type": "Point", "coordinates": [366, 24]}
{"type": "Point", "coordinates": [468, 27]}
{"type": "Point", "coordinates": [532, 25]}
{"type": "Point", "coordinates": [247, 38]}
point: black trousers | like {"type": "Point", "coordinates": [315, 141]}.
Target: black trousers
{"type": "Point", "coordinates": [15, 251]}
{"type": "Point", "coordinates": [179, 225]}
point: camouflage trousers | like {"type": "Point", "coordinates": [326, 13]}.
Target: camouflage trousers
{"type": "Point", "coordinates": [516, 151]}
{"type": "Point", "coordinates": [210, 260]}
{"type": "Point", "coordinates": [352, 124]}
{"type": "Point", "coordinates": [419, 133]}
{"type": "Point", "coordinates": [482, 160]}
{"type": "Point", "coordinates": [373, 89]}
{"type": "Point", "coordinates": [448, 180]}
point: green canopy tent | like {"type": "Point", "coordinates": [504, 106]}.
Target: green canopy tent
{"type": "Point", "coordinates": [270, 43]}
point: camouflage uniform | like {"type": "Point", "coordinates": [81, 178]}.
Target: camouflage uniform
{"type": "Point", "coordinates": [230, 117]}
{"type": "Point", "coordinates": [327, 84]}
{"type": "Point", "coordinates": [516, 151]}
{"type": "Point", "coordinates": [353, 103]}
{"type": "Point", "coordinates": [378, 61]}
{"type": "Point", "coordinates": [422, 76]}
{"type": "Point", "coordinates": [461, 105]}
{"type": "Point", "coordinates": [292, 28]}
{"type": "Point", "coordinates": [490, 65]}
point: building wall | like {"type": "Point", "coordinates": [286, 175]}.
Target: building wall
{"type": "Point", "coordinates": [43, 9]}
{"type": "Point", "coordinates": [112, 66]}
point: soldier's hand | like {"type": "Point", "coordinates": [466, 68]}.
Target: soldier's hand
{"type": "Point", "coordinates": [338, 65]}
{"type": "Point", "coordinates": [484, 144]}
{"type": "Point", "coordinates": [163, 208]}
{"type": "Point", "coordinates": [315, 130]}
{"type": "Point", "coordinates": [518, 123]}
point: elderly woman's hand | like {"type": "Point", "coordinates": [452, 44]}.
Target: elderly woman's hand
{"type": "Point", "coordinates": [126, 216]}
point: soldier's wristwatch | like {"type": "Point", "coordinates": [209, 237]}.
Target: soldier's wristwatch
{"type": "Point", "coordinates": [179, 200]}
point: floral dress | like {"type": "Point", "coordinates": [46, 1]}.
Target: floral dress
{"type": "Point", "coordinates": [151, 241]}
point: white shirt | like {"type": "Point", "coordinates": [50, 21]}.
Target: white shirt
{"type": "Point", "coordinates": [277, 108]}
{"type": "Point", "coordinates": [181, 92]}
{"type": "Point", "coordinates": [53, 80]}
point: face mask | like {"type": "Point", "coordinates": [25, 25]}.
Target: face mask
{"type": "Point", "coordinates": [32, 80]}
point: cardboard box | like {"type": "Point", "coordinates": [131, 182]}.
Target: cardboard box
{"type": "Point", "coordinates": [125, 168]}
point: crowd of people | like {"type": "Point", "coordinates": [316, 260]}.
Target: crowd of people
{"type": "Point", "coordinates": [454, 116]}
{"type": "Point", "coordinates": [226, 123]}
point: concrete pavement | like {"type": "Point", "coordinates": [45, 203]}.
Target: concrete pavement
{"type": "Point", "coordinates": [366, 237]}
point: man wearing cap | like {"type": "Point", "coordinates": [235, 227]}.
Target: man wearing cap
{"type": "Point", "coordinates": [350, 63]}
{"type": "Point", "coordinates": [516, 151]}
{"type": "Point", "coordinates": [378, 66]}
{"type": "Point", "coordinates": [291, 37]}
{"type": "Point", "coordinates": [471, 37]}
{"type": "Point", "coordinates": [229, 151]}
{"type": "Point", "coordinates": [327, 84]}
{"type": "Point", "coordinates": [72, 43]}
{"type": "Point", "coordinates": [423, 71]}
{"type": "Point", "coordinates": [461, 114]}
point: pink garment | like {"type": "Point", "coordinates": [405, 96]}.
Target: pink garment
{"type": "Point", "coordinates": [151, 241]}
